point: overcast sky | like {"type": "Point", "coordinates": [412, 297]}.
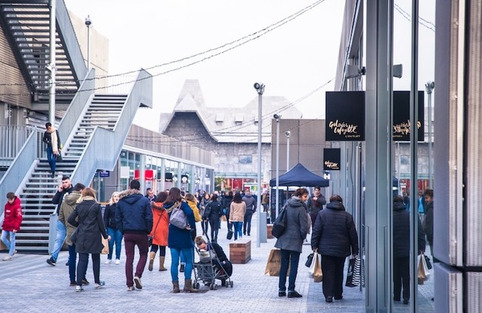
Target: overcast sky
{"type": "Point", "coordinates": [291, 60]}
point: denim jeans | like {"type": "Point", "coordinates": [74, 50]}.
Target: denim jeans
{"type": "Point", "coordinates": [238, 231]}
{"type": "Point", "coordinates": [115, 238]}
{"type": "Point", "coordinates": [72, 262]}
{"type": "Point", "coordinates": [175, 255]}
{"type": "Point", "coordinates": [130, 241]}
{"type": "Point", "coordinates": [293, 258]}
{"type": "Point", "coordinates": [52, 158]}
{"type": "Point", "coordinates": [59, 240]}
{"type": "Point", "coordinates": [9, 243]}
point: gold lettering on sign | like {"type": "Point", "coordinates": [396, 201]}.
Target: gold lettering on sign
{"type": "Point", "coordinates": [341, 128]}
{"type": "Point", "coordinates": [332, 165]}
{"type": "Point", "coordinates": [403, 128]}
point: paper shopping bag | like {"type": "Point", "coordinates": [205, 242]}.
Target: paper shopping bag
{"type": "Point", "coordinates": [274, 263]}
{"type": "Point", "coordinates": [315, 270]}
{"type": "Point", "coordinates": [105, 242]}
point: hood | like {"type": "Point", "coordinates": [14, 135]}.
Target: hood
{"type": "Point", "coordinates": [295, 202]}
{"type": "Point", "coordinates": [248, 196]}
{"type": "Point", "coordinates": [72, 198]}
{"type": "Point", "coordinates": [336, 205]}
{"type": "Point", "coordinates": [399, 206]}
{"type": "Point", "coordinates": [157, 205]}
{"type": "Point", "coordinates": [130, 196]}
{"type": "Point", "coordinates": [15, 202]}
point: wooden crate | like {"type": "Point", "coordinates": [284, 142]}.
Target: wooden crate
{"type": "Point", "coordinates": [240, 251]}
{"type": "Point", "coordinates": [269, 229]}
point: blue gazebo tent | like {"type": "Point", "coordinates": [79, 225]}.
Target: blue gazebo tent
{"type": "Point", "coordinates": [301, 177]}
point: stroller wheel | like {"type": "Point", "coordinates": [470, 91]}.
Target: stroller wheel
{"type": "Point", "coordinates": [231, 284]}
{"type": "Point", "coordinates": [213, 286]}
{"type": "Point", "coordinates": [196, 285]}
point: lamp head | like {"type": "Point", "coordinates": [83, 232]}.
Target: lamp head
{"type": "Point", "coordinates": [259, 88]}
{"type": "Point", "coordinates": [277, 117]}
{"type": "Point", "coordinates": [287, 133]}
{"type": "Point", "coordinates": [88, 21]}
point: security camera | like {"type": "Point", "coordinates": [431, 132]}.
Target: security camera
{"type": "Point", "coordinates": [277, 116]}
{"type": "Point", "coordinates": [88, 21]}
{"type": "Point", "coordinates": [287, 133]}
{"type": "Point", "coordinates": [257, 86]}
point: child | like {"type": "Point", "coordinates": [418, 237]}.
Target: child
{"type": "Point", "coordinates": [11, 223]}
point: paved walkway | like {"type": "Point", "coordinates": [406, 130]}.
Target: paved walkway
{"type": "Point", "coordinates": [29, 284]}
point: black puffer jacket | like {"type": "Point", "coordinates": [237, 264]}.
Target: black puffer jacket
{"type": "Point", "coordinates": [334, 232]}
{"type": "Point", "coordinates": [401, 231]}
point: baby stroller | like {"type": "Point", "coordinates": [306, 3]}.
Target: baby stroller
{"type": "Point", "coordinates": [209, 268]}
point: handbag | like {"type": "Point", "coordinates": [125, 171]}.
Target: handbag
{"type": "Point", "coordinates": [427, 260]}
{"type": "Point", "coordinates": [229, 236]}
{"type": "Point", "coordinates": [178, 218]}
{"type": "Point", "coordinates": [423, 273]}
{"type": "Point", "coordinates": [353, 273]}
{"type": "Point", "coordinates": [309, 260]}
{"type": "Point", "coordinates": [315, 270]}
{"type": "Point", "coordinates": [58, 157]}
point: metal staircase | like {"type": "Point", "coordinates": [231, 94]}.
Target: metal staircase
{"type": "Point", "coordinates": [36, 196]}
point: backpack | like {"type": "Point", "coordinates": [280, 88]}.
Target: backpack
{"type": "Point", "coordinates": [279, 225]}
{"type": "Point", "coordinates": [178, 218]}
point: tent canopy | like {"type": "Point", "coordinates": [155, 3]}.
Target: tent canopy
{"type": "Point", "coordinates": [300, 176]}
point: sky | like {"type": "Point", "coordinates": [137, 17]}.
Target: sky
{"type": "Point", "coordinates": [292, 60]}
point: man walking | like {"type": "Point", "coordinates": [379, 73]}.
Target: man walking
{"type": "Point", "coordinates": [250, 209]}
{"type": "Point", "coordinates": [133, 217]}
{"type": "Point", "coordinates": [64, 189]}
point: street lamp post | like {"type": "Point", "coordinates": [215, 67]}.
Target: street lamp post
{"type": "Point", "coordinates": [277, 117]}
{"type": "Point", "coordinates": [288, 134]}
{"type": "Point", "coordinates": [51, 66]}
{"type": "Point", "coordinates": [429, 86]}
{"type": "Point", "coordinates": [260, 90]}
{"type": "Point", "coordinates": [88, 22]}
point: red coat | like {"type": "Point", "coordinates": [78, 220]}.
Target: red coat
{"type": "Point", "coordinates": [160, 224]}
{"type": "Point", "coordinates": [12, 215]}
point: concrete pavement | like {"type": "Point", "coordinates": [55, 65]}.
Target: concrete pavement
{"type": "Point", "coordinates": [29, 284]}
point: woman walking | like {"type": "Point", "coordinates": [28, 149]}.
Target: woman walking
{"type": "Point", "coordinates": [236, 215]}
{"type": "Point", "coordinates": [204, 202]}
{"type": "Point", "coordinates": [11, 223]}
{"type": "Point", "coordinates": [180, 241]}
{"type": "Point", "coordinates": [335, 237]}
{"type": "Point", "coordinates": [160, 229]}
{"type": "Point", "coordinates": [87, 217]}
{"type": "Point", "coordinates": [212, 214]}
{"type": "Point", "coordinates": [291, 241]}
{"type": "Point", "coordinates": [114, 233]}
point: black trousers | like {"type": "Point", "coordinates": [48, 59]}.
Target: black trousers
{"type": "Point", "coordinates": [82, 267]}
{"type": "Point", "coordinates": [332, 267]}
{"type": "Point", "coordinates": [401, 277]}
{"type": "Point", "coordinates": [247, 222]}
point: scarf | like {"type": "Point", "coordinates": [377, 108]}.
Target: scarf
{"type": "Point", "coordinates": [54, 141]}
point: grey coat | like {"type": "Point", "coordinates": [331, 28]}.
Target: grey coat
{"type": "Point", "coordinates": [297, 226]}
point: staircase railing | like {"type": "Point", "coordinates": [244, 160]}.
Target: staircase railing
{"type": "Point", "coordinates": [95, 155]}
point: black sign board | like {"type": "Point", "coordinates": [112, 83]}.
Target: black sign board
{"type": "Point", "coordinates": [401, 116]}
{"type": "Point", "coordinates": [168, 177]}
{"type": "Point", "coordinates": [331, 159]}
{"type": "Point", "coordinates": [345, 116]}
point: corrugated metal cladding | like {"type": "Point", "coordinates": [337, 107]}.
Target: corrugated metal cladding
{"type": "Point", "coordinates": [12, 85]}
{"type": "Point", "coordinates": [474, 142]}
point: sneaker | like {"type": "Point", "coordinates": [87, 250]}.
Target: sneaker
{"type": "Point", "coordinates": [131, 288]}
{"type": "Point", "coordinates": [107, 262]}
{"type": "Point", "coordinates": [85, 282]}
{"type": "Point", "coordinates": [117, 262]}
{"type": "Point", "coordinates": [79, 288]}
{"type": "Point", "coordinates": [7, 258]}
{"type": "Point", "coordinates": [51, 262]}
{"type": "Point", "coordinates": [137, 281]}
{"type": "Point", "coordinates": [99, 284]}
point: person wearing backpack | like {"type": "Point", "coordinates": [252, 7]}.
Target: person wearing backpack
{"type": "Point", "coordinates": [179, 239]}
{"type": "Point", "coordinates": [291, 241]}
{"type": "Point", "coordinates": [213, 214]}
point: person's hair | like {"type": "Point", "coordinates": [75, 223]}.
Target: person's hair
{"type": "Point", "coordinates": [135, 184]}
{"type": "Point", "coordinates": [199, 240]}
{"type": "Point", "coordinates": [230, 193]}
{"type": "Point", "coordinates": [237, 198]}
{"type": "Point", "coordinates": [79, 187]}
{"type": "Point", "coordinates": [148, 189]}
{"type": "Point", "coordinates": [300, 192]}
{"type": "Point", "coordinates": [428, 192]}
{"type": "Point", "coordinates": [115, 193]}
{"type": "Point", "coordinates": [207, 194]}
{"type": "Point", "coordinates": [317, 187]}
{"type": "Point", "coordinates": [65, 177]}
{"type": "Point", "coordinates": [190, 197]}
{"type": "Point", "coordinates": [11, 196]}
{"type": "Point", "coordinates": [48, 124]}
{"type": "Point", "coordinates": [336, 198]}
{"type": "Point", "coordinates": [214, 197]}
{"type": "Point", "coordinates": [397, 199]}
{"type": "Point", "coordinates": [174, 195]}
{"type": "Point", "coordinates": [161, 196]}
{"type": "Point", "coordinates": [88, 192]}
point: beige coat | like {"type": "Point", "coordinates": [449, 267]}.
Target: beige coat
{"type": "Point", "coordinates": [237, 211]}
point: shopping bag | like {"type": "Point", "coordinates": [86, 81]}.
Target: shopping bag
{"type": "Point", "coordinates": [273, 265]}
{"type": "Point", "coordinates": [423, 273]}
{"type": "Point", "coordinates": [229, 236]}
{"type": "Point", "coordinates": [315, 270]}
{"type": "Point", "coordinates": [353, 273]}
{"type": "Point", "coordinates": [105, 242]}
{"type": "Point", "coordinates": [309, 260]}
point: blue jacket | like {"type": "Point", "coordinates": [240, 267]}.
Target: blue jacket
{"type": "Point", "coordinates": [181, 238]}
{"type": "Point", "coordinates": [133, 213]}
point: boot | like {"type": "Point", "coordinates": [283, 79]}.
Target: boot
{"type": "Point", "coordinates": [175, 287]}
{"type": "Point", "coordinates": [161, 264]}
{"type": "Point", "coordinates": [188, 286]}
{"type": "Point", "coordinates": [152, 255]}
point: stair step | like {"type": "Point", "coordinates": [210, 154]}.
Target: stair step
{"type": "Point", "coordinates": [22, 234]}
